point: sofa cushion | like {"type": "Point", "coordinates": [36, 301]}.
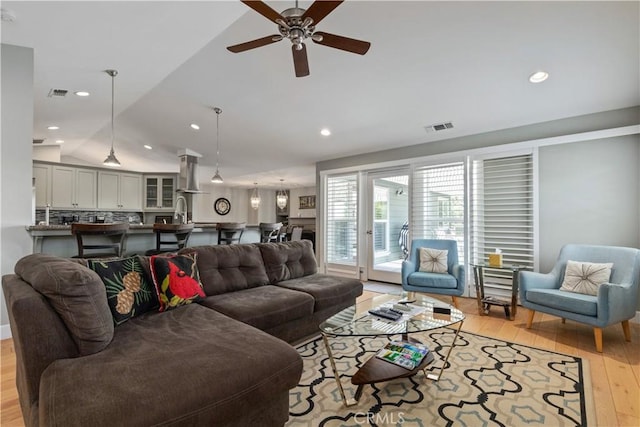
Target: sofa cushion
{"type": "Point", "coordinates": [76, 293]}
{"type": "Point", "coordinates": [130, 291]}
{"type": "Point", "coordinates": [176, 280]}
{"type": "Point", "coordinates": [327, 291]}
{"type": "Point", "coordinates": [564, 301]}
{"type": "Point", "coordinates": [229, 268]}
{"type": "Point", "coordinates": [188, 366]}
{"type": "Point", "coordinates": [432, 280]}
{"type": "Point", "coordinates": [263, 307]}
{"type": "Point", "coordinates": [289, 260]}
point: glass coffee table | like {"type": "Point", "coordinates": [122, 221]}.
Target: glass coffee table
{"type": "Point", "coordinates": [422, 314]}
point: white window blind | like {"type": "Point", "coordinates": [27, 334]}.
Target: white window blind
{"type": "Point", "coordinates": [438, 203]}
{"type": "Point", "coordinates": [381, 219]}
{"type": "Point", "coordinates": [342, 219]}
{"type": "Point", "coordinates": [502, 213]}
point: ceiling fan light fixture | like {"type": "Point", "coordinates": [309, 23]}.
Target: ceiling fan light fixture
{"type": "Point", "coordinates": [217, 179]}
{"type": "Point", "coordinates": [111, 159]}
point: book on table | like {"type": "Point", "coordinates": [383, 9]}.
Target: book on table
{"type": "Point", "coordinates": [407, 355]}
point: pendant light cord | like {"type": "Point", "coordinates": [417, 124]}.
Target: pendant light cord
{"type": "Point", "coordinates": [113, 79]}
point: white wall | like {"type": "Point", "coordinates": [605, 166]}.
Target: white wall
{"type": "Point", "coordinates": [589, 193]}
{"type": "Point", "coordinates": [294, 202]}
{"type": "Point", "coordinates": [46, 153]}
{"type": "Point", "coordinates": [15, 162]}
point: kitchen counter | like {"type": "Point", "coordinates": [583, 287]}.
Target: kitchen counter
{"type": "Point", "coordinates": [57, 239]}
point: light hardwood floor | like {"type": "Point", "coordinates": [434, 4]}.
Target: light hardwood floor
{"type": "Point", "coordinates": [615, 373]}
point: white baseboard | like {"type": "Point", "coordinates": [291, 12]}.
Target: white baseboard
{"type": "Point", "coordinates": [5, 332]}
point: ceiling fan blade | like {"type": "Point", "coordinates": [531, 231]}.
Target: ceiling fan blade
{"type": "Point", "coordinates": [255, 43]}
{"type": "Point", "coordinates": [300, 62]}
{"type": "Point", "coordinates": [263, 9]}
{"type": "Point", "coordinates": [343, 43]}
{"type": "Point", "coordinates": [319, 9]}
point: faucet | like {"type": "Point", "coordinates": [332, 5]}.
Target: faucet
{"type": "Point", "coordinates": [182, 213]}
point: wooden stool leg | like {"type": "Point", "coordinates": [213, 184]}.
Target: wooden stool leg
{"type": "Point", "coordinates": [626, 330]}
{"type": "Point", "coordinates": [454, 301]}
{"type": "Point", "coordinates": [530, 319]}
{"type": "Point", "coordinates": [597, 334]}
{"type": "Point", "coordinates": [564, 320]}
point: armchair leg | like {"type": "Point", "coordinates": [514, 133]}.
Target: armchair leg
{"type": "Point", "coordinates": [530, 319]}
{"type": "Point", "coordinates": [564, 320]}
{"type": "Point", "coordinates": [626, 330]}
{"type": "Point", "coordinates": [454, 301]}
{"type": "Point", "coordinates": [597, 334]}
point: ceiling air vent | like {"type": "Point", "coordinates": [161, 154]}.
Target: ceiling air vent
{"type": "Point", "coordinates": [38, 141]}
{"type": "Point", "coordinates": [439, 126]}
{"type": "Point", "coordinates": [57, 93]}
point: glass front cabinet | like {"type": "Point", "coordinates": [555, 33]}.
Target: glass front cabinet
{"type": "Point", "coordinates": [159, 192]}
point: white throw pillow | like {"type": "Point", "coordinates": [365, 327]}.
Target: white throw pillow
{"type": "Point", "coordinates": [585, 277]}
{"type": "Point", "coordinates": [433, 260]}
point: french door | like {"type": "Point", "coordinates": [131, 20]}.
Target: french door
{"type": "Point", "coordinates": [387, 224]}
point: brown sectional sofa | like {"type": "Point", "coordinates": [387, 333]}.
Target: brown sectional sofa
{"type": "Point", "coordinates": [222, 361]}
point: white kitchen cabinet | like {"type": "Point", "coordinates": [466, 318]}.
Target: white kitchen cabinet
{"type": "Point", "coordinates": [119, 191]}
{"type": "Point", "coordinates": [159, 192]}
{"type": "Point", "coordinates": [73, 188]}
{"type": "Point", "coordinates": [42, 182]}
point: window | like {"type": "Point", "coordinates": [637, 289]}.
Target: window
{"type": "Point", "coordinates": [342, 219]}
{"type": "Point", "coordinates": [438, 203]}
{"type": "Point", "coordinates": [502, 212]}
{"type": "Point", "coordinates": [381, 219]}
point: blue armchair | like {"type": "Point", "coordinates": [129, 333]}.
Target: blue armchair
{"type": "Point", "coordinates": [615, 301]}
{"type": "Point", "coordinates": [449, 283]}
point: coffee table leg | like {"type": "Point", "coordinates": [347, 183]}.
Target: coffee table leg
{"type": "Point", "coordinates": [347, 402]}
{"type": "Point", "coordinates": [436, 377]}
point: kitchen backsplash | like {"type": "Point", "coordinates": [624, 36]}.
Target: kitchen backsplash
{"type": "Point", "coordinates": [61, 216]}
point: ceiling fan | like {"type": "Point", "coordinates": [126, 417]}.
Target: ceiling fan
{"type": "Point", "coordinates": [297, 25]}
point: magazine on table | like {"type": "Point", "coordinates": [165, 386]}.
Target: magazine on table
{"type": "Point", "coordinates": [408, 355]}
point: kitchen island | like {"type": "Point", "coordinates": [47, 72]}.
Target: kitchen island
{"type": "Point", "coordinates": [58, 240]}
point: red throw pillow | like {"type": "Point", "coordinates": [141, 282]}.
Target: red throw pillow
{"type": "Point", "coordinates": [176, 280]}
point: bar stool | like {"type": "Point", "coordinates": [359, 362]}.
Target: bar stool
{"type": "Point", "coordinates": [100, 236]}
{"type": "Point", "coordinates": [270, 231]}
{"type": "Point", "coordinates": [230, 232]}
{"type": "Point", "coordinates": [178, 237]}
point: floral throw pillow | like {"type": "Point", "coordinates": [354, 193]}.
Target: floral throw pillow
{"type": "Point", "coordinates": [129, 290]}
{"type": "Point", "coordinates": [433, 260]}
{"type": "Point", "coordinates": [585, 277]}
{"type": "Point", "coordinates": [176, 280]}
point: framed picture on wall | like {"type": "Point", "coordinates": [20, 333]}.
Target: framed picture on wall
{"type": "Point", "coordinates": [307, 202]}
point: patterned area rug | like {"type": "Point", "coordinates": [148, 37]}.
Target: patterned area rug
{"type": "Point", "coordinates": [486, 382]}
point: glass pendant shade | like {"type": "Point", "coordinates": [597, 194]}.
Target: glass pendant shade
{"type": "Point", "coordinates": [255, 199]}
{"type": "Point", "coordinates": [281, 197]}
{"type": "Point", "coordinates": [217, 179]}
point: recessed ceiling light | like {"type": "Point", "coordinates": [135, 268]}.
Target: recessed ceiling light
{"type": "Point", "coordinates": [325, 132]}
{"type": "Point", "coordinates": [81, 93]}
{"type": "Point", "coordinates": [53, 127]}
{"type": "Point", "coordinates": [538, 77]}
{"type": "Point", "coordinates": [148, 147]}
{"type": "Point", "coordinates": [195, 126]}
{"type": "Point", "coordinates": [59, 141]}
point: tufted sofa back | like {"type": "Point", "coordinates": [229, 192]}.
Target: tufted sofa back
{"type": "Point", "coordinates": [288, 260]}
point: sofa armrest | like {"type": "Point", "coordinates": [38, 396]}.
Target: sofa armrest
{"type": "Point", "coordinates": [531, 280]}
{"type": "Point", "coordinates": [459, 274]}
{"type": "Point", "coordinates": [616, 302]}
{"type": "Point", "coordinates": [408, 267]}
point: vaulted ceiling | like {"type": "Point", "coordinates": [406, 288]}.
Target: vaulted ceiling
{"type": "Point", "coordinates": [429, 62]}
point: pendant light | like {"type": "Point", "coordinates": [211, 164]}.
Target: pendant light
{"type": "Point", "coordinates": [111, 158]}
{"type": "Point", "coordinates": [217, 179]}
{"type": "Point", "coordinates": [255, 197]}
{"type": "Point", "coordinates": [281, 197]}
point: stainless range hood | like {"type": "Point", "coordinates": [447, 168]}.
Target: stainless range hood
{"type": "Point", "coordinates": [188, 178]}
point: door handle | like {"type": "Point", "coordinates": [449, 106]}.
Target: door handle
{"type": "Point", "coordinates": [369, 232]}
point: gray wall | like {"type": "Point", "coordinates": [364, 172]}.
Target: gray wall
{"type": "Point", "coordinates": [589, 193]}
{"type": "Point", "coordinates": [15, 161]}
